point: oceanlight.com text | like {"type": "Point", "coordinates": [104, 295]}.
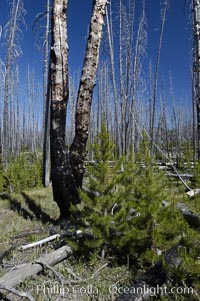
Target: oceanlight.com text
{"type": "Point", "coordinates": [49, 289]}
{"type": "Point", "coordinates": [151, 291]}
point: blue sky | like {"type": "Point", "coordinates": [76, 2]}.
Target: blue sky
{"type": "Point", "coordinates": [176, 49]}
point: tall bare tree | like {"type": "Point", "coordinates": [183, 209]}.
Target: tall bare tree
{"type": "Point", "coordinates": [46, 145]}
{"type": "Point", "coordinates": [41, 32]}
{"type": "Point", "coordinates": [196, 64]}
{"type": "Point", "coordinates": [163, 15]}
{"type": "Point", "coordinates": [109, 24]}
{"type": "Point", "coordinates": [68, 168]}
{"type": "Point", "coordinates": [59, 97]}
{"type": "Point", "coordinates": [12, 33]}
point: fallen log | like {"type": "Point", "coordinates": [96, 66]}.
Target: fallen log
{"type": "Point", "coordinates": [15, 277]}
{"type": "Point", "coordinates": [175, 175]}
{"type": "Point", "coordinates": [192, 218]}
{"type": "Point", "coordinates": [143, 288]}
{"type": "Point", "coordinates": [193, 192]}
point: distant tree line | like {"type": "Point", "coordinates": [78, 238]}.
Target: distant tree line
{"type": "Point", "coordinates": [129, 98]}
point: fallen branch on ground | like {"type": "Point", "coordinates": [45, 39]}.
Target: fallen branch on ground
{"type": "Point", "coordinates": [39, 242]}
{"type": "Point", "coordinates": [85, 280]}
{"type": "Point", "coordinates": [7, 253]}
{"type": "Point", "coordinates": [15, 277]}
{"type": "Point", "coordinates": [17, 293]}
{"type": "Point", "coordinates": [70, 272]}
{"type": "Point", "coordinates": [57, 274]}
{"type": "Point", "coordinates": [185, 175]}
{"type": "Point", "coordinates": [27, 233]}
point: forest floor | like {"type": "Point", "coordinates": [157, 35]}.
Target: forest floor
{"type": "Point", "coordinates": [31, 216]}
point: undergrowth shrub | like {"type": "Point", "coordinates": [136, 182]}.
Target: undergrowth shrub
{"type": "Point", "coordinates": [22, 172]}
{"type": "Point", "coordinates": [129, 210]}
{"type": "Point", "coordinates": [195, 181]}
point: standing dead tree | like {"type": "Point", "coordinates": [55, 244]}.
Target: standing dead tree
{"type": "Point", "coordinates": [12, 36]}
{"type": "Point", "coordinates": [46, 145]}
{"type": "Point", "coordinates": [59, 97]}
{"type": "Point", "coordinates": [196, 64]}
{"type": "Point", "coordinates": [140, 52]}
{"type": "Point", "coordinates": [153, 114]}
{"type": "Point", "coordinates": [67, 168]}
{"type": "Point", "coordinates": [41, 32]}
{"type": "Point", "coordinates": [2, 78]}
{"type": "Point", "coordinates": [114, 81]}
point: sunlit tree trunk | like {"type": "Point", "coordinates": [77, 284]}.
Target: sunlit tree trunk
{"type": "Point", "coordinates": [46, 145]}
{"type": "Point", "coordinates": [156, 73]}
{"type": "Point", "coordinates": [12, 35]}
{"type": "Point", "coordinates": [196, 64]}
{"type": "Point", "coordinates": [59, 98]}
{"type": "Point", "coordinates": [67, 168]}
{"type": "Point", "coordinates": [117, 113]}
{"type": "Point", "coordinates": [86, 87]}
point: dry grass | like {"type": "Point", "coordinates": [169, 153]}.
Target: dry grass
{"type": "Point", "coordinates": [35, 211]}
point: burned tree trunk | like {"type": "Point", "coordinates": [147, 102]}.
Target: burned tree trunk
{"type": "Point", "coordinates": [84, 99]}
{"type": "Point", "coordinates": [59, 97]}
{"type": "Point", "coordinates": [196, 64]}
{"type": "Point", "coordinates": [46, 142]}
{"type": "Point", "coordinates": [67, 169]}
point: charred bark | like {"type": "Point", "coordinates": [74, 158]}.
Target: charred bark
{"type": "Point", "coordinates": [59, 97]}
{"type": "Point", "coordinates": [86, 87]}
{"type": "Point", "coordinates": [67, 168]}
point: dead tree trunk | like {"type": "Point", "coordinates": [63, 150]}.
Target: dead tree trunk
{"type": "Point", "coordinates": [196, 64]}
{"type": "Point", "coordinates": [152, 132]}
{"type": "Point", "coordinates": [46, 144]}
{"type": "Point", "coordinates": [59, 97]}
{"type": "Point", "coordinates": [86, 87]}
{"type": "Point", "coordinates": [67, 169]}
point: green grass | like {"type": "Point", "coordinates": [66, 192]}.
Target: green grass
{"type": "Point", "coordinates": [35, 210]}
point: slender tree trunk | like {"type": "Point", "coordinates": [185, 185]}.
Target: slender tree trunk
{"type": "Point", "coordinates": [46, 145]}
{"type": "Point", "coordinates": [156, 74]}
{"type": "Point", "coordinates": [140, 48]}
{"type": "Point", "coordinates": [194, 118]}
{"type": "Point", "coordinates": [67, 168]}
{"type": "Point", "coordinates": [18, 136]}
{"type": "Point", "coordinates": [196, 65]}
{"type": "Point", "coordinates": [59, 98]}
{"type": "Point", "coordinates": [86, 87]}
{"type": "Point", "coordinates": [14, 14]}
{"type": "Point", "coordinates": [13, 51]}
{"type": "Point", "coordinates": [114, 83]}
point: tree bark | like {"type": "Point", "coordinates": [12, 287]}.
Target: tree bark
{"type": "Point", "coordinates": [15, 277]}
{"type": "Point", "coordinates": [46, 144]}
{"type": "Point", "coordinates": [196, 64]}
{"type": "Point", "coordinates": [68, 168]}
{"type": "Point", "coordinates": [59, 98]}
{"type": "Point", "coordinates": [86, 87]}
{"type": "Point", "coordinates": [152, 132]}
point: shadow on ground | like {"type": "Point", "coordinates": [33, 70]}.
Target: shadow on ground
{"type": "Point", "coordinates": [37, 210]}
{"type": "Point", "coordinates": [33, 211]}
{"type": "Point", "coordinates": [15, 205]}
